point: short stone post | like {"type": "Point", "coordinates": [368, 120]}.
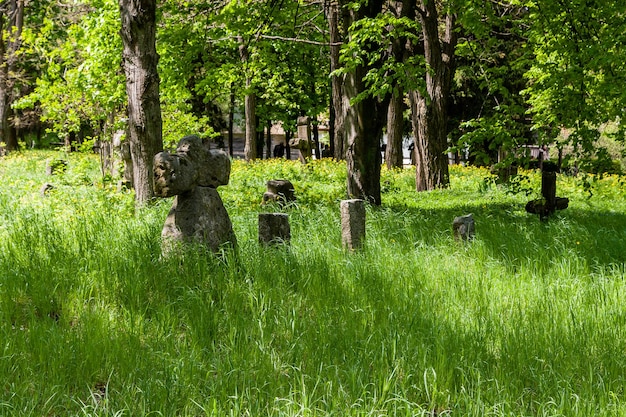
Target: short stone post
{"type": "Point", "coordinates": [274, 228]}
{"type": "Point", "coordinates": [353, 223]}
{"type": "Point", "coordinates": [463, 227]}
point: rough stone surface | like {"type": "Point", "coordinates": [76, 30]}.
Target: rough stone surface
{"type": "Point", "coordinates": [192, 174]}
{"type": "Point", "coordinates": [303, 141]}
{"type": "Point", "coordinates": [198, 216]}
{"type": "Point", "coordinates": [274, 228]}
{"type": "Point", "coordinates": [43, 191]}
{"type": "Point", "coordinates": [463, 227]}
{"type": "Point", "coordinates": [194, 163]}
{"type": "Point", "coordinates": [281, 191]}
{"type": "Point", "coordinates": [353, 223]}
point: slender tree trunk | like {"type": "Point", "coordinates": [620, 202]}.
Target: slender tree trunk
{"type": "Point", "coordinates": [395, 124]}
{"type": "Point", "coordinates": [331, 126]}
{"type": "Point", "coordinates": [250, 114]}
{"type": "Point", "coordinates": [268, 140]}
{"type": "Point", "coordinates": [315, 133]}
{"type": "Point", "coordinates": [338, 110]}
{"type": "Point", "coordinates": [231, 121]}
{"type": "Point", "coordinates": [142, 87]}
{"type": "Point", "coordinates": [260, 137]}
{"type": "Point", "coordinates": [429, 113]}
{"type": "Point", "coordinates": [288, 136]}
{"type": "Point", "coordinates": [363, 127]}
{"type": "Point", "coordinates": [394, 157]}
{"type": "Point", "coordinates": [249, 151]}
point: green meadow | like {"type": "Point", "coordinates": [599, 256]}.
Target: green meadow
{"type": "Point", "coordinates": [528, 319]}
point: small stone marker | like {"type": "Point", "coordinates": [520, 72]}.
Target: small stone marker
{"type": "Point", "coordinates": [43, 191]}
{"type": "Point", "coordinates": [352, 223]}
{"type": "Point", "coordinates": [463, 227]}
{"type": "Point", "coordinates": [303, 141]}
{"type": "Point", "coordinates": [192, 174]}
{"type": "Point", "coordinates": [280, 191]}
{"type": "Point", "coordinates": [274, 228]}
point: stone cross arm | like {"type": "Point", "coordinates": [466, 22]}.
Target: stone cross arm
{"type": "Point", "coordinates": [193, 164]}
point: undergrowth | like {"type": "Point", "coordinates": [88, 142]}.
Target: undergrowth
{"type": "Point", "coordinates": [527, 319]}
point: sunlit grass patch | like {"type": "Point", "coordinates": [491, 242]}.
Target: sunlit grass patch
{"type": "Point", "coordinates": [526, 319]}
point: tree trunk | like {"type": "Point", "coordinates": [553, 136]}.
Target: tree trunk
{"type": "Point", "coordinates": [315, 133]}
{"type": "Point", "coordinates": [429, 126]}
{"type": "Point", "coordinates": [429, 112]}
{"type": "Point", "coordinates": [338, 144]}
{"type": "Point", "coordinates": [395, 124]}
{"type": "Point", "coordinates": [288, 135]}
{"type": "Point", "coordinates": [142, 87]}
{"type": "Point", "coordinates": [231, 121]}
{"type": "Point", "coordinates": [394, 157]}
{"type": "Point", "coordinates": [331, 126]}
{"type": "Point", "coordinates": [250, 113]}
{"type": "Point", "coordinates": [249, 151]}
{"type": "Point", "coordinates": [268, 141]}
{"type": "Point", "coordinates": [11, 25]}
{"type": "Point", "coordinates": [363, 124]}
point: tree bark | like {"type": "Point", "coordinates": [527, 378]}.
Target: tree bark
{"type": "Point", "coordinates": [428, 111]}
{"type": "Point", "coordinates": [231, 121]}
{"type": "Point", "coordinates": [142, 87]}
{"type": "Point", "coordinates": [338, 109]}
{"type": "Point", "coordinates": [249, 151]}
{"type": "Point", "coordinates": [363, 124]}
{"type": "Point", "coordinates": [268, 141]}
{"type": "Point", "coordinates": [395, 124]}
{"type": "Point", "coordinates": [394, 157]}
{"type": "Point", "coordinates": [11, 25]}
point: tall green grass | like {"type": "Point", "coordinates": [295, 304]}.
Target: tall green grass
{"type": "Point", "coordinates": [525, 320]}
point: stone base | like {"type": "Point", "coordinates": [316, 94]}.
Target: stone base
{"type": "Point", "coordinates": [274, 228]}
{"type": "Point", "coordinates": [198, 216]}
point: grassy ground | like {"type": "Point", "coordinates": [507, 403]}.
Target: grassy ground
{"type": "Point", "coordinates": [526, 320]}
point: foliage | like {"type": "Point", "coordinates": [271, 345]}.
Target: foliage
{"type": "Point", "coordinates": [82, 83]}
{"type": "Point", "coordinates": [368, 46]}
{"type": "Point", "coordinates": [578, 49]}
{"type": "Point", "coordinates": [524, 320]}
{"type": "Point", "coordinates": [492, 55]}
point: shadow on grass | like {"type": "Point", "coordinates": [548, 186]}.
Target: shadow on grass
{"type": "Point", "coordinates": [511, 234]}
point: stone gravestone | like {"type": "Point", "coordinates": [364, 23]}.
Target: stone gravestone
{"type": "Point", "coordinates": [352, 223]}
{"type": "Point", "coordinates": [192, 174]}
{"type": "Point", "coordinates": [303, 141]}
{"type": "Point", "coordinates": [274, 228]}
{"type": "Point", "coordinates": [280, 191]}
{"type": "Point", "coordinates": [549, 202]}
{"type": "Point", "coordinates": [43, 191]}
{"type": "Point", "coordinates": [463, 227]}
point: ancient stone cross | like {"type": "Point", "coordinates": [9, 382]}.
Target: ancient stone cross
{"type": "Point", "coordinates": [192, 174]}
{"type": "Point", "coordinates": [549, 202]}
